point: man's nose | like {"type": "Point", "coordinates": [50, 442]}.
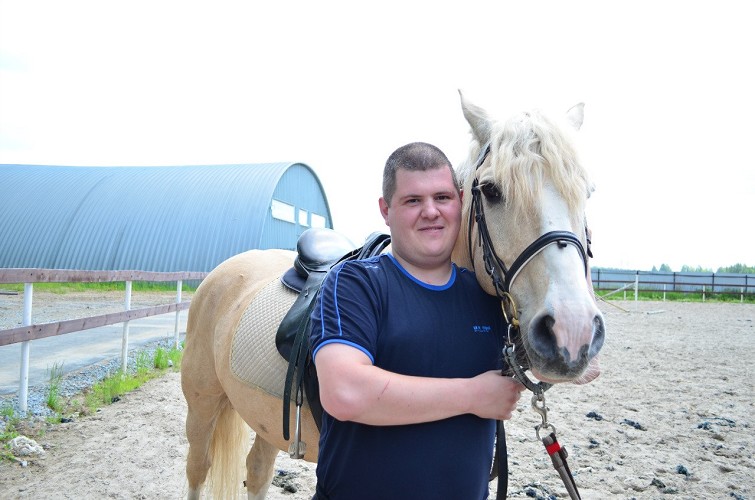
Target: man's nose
{"type": "Point", "coordinates": [429, 209]}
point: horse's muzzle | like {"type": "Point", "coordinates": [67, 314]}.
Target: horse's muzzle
{"type": "Point", "coordinates": [562, 352]}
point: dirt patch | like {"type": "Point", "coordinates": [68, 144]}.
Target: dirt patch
{"type": "Point", "coordinates": [670, 417]}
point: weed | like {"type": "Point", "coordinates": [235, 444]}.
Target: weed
{"type": "Point", "coordinates": [143, 364]}
{"type": "Point", "coordinates": [175, 354]}
{"type": "Point", "coordinates": [53, 391]}
{"type": "Point", "coordinates": [8, 431]}
{"type": "Point", "coordinates": [7, 412]}
{"type": "Point", "coordinates": [161, 358]}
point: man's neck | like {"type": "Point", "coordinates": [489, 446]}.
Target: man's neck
{"type": "Point", "coordinates": [437, 275]}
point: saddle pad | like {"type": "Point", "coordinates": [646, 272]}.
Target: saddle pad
{"type": "Point", "coordinates": [254, 358]}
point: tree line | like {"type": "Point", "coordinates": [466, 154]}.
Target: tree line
{"type": "Point", "coordinates": [736, 269]}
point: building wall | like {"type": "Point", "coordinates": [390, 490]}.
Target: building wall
{"type": "Point", "coordinates": [297, 208]}
{"type": "Point", "coordinates": [150, 218]}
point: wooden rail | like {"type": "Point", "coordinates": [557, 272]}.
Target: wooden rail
{"type": "Point", "coordinates": [28, 275]}
{"type": "Point", "coordinates": [43, 330]}
{"type": "Point", "coordinates": [28, 332]}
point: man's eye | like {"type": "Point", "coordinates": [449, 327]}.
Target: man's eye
{"type": "Point", "coordinates": [491, 192]}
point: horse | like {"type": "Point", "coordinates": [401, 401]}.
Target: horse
{"type": "Point", "coordinates": [524, 197]}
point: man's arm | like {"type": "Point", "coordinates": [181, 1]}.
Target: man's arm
{"type": "Point", "coordinates": [353, 389]}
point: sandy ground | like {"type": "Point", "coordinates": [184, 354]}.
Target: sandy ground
{"type": "Point", "coordinates": [670, 417]}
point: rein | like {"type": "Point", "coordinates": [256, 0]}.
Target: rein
{"type": "Point", "coordinates": [502, 279]}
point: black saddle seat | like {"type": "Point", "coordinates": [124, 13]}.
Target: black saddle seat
{"type": "Point", "coordinates": [318, 249]}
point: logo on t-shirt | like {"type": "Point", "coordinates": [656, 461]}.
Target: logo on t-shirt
{"type": "Point", "coordinates": [481, 328]}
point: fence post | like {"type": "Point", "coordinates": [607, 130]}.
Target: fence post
{"type": "Point", "coordinates": [703, 293]}
{"type": "Point", "coordinates": [664, 292]}
{"type": "Point", "coordinates": [124, 342]}
{"type": "Point", "coordinates": [23, 386]}
{"type": "Point", "coordinates": [178, 311]}
{"type": "Point", "coordinates": [636, 285]}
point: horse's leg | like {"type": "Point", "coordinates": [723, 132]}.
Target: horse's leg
{"type": "Point", "coordinates": [200, 422]}
{"type": "Point", "coordinates": [259, 468]}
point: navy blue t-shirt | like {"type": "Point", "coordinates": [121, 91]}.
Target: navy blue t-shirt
{"type": "Point", "coordinates": [412, 328]}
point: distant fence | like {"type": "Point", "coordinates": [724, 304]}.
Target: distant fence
{"type": "Point", "coordinates": [698, 283]}
{"type": "Point", "coordinates": [28, 332]}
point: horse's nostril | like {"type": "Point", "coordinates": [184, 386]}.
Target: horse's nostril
{"type": "Point", "coordinates": [599, 335]}
{"type": "Point", "coordinates": [542, 337]}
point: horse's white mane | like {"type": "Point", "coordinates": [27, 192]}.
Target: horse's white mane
{"type": "Point", "coordinates": [526, 149]}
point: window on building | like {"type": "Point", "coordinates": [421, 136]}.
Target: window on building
{"type": "Point", "coordinates": [283, 211]}
{"type": "Point", "coordinates": [317, 220]}
{"type": "Point", "coordinates": [303, 217]}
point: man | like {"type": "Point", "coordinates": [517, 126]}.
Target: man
{"type": "Point", "coordinates": [408, 353]}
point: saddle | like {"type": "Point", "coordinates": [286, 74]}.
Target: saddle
{"type": "Point", "coordinates": [318, 250]}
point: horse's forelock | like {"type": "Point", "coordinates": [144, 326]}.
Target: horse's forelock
{"type": "Point", "coordinates": [526, 150]}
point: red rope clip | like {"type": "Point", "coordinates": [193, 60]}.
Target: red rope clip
{"type": "Point", "coordinates": [553, 448]}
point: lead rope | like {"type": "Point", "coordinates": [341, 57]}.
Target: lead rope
{"type": "Point", "coordinates": [557, 453]}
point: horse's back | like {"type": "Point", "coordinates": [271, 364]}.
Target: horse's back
{"type": "Point", "coordinates": [241, 275]}
{"type": "Point", "coordinates": [217, 307]}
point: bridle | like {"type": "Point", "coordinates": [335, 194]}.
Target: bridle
{"type": "Point", "coordinates": [502, 278]}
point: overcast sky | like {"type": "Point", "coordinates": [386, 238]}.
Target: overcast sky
{"type": "Point", "coordinates": [668, 87]}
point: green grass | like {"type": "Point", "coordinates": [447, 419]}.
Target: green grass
{"type": "Point", "coordinates": [161, 359]}
{"type": "Point", "coordinates": [145, 367]}
{"type": "Point", "coordinates": [136, 286]}
{"type": "Point", "coordinates": [8, 415]}
{"type": "Point", "coordinates": [111, 388]}
{"type": "Point", "coordinates": [678, 296]}
{"type": "Point", "coordinates": [53, 390]}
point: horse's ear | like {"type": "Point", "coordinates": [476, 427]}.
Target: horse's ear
{"type": "Point", "coordinates": [477, 118]}
{"type": "Point", "coordinates": [576, 115]}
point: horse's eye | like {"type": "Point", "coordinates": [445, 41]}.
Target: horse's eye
{"type": "Point", "coordinates": [491, 192]}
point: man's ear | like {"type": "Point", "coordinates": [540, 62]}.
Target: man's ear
{"type": "Point", "coordinates": [383, 209]}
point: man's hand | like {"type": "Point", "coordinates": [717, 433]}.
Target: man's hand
{"type": "Point", "coordinates": [496, 395]}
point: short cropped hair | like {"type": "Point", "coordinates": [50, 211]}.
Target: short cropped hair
{"type": "Point", "coordinates": [416, 156]}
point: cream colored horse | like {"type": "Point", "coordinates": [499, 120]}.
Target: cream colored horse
{"type": "Point", "coordinates": [529, 184]}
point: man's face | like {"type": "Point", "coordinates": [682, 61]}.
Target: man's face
{"type": "Point", "coordinates": [424, 217]}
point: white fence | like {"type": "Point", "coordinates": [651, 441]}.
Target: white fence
{"type": "Point", "coordinates": [741, 285]}
{"type": "Point", "coordinates": [29, 331]}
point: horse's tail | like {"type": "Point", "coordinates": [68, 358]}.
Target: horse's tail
{"type": "Point", "coordinates": [230, 442]}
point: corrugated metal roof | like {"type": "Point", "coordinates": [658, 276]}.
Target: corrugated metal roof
{"type": "Point", "coordinates": [187, 218]}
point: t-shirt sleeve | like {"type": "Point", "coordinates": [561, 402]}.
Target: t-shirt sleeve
{"type": "Point", "coordinates": [347, 309]}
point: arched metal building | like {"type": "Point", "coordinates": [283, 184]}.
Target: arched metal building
{"type": "Point", "coordinates": [187, 218]}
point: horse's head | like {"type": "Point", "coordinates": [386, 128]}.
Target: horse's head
{"type": "Point", "coordinates": [525, 236]}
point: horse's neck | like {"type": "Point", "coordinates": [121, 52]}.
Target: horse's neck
{"type": "Point", "coordinates": [460, 255]}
